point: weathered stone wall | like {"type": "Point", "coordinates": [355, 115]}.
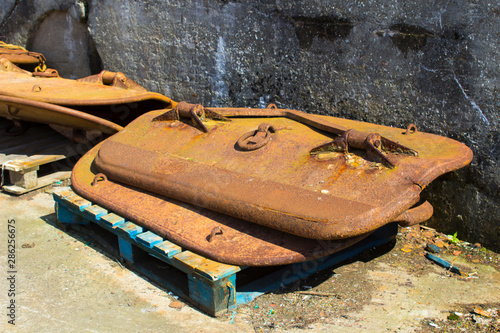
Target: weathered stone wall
{"type": "Point", "coordinates": [432, 63]}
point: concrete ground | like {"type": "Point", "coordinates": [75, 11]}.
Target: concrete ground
{"type": "Point", "coordinates": [63, 285]}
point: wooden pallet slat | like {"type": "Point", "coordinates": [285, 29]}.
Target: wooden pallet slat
{"type": "Point", "coordinates": [128, 230]}
{"type": "Point", "coordinates": [32, 162]}
{"type": "Point", "coordinates": [66, 215]}
{"type": "Point", "coordinates": [149, 239]}
{"type": "Point", "coordinates": [187, 261]}
{"type": "Point", "coordinates": [63, 193]}
{"type": "Point", "coordinates": [166, 250]}
{"type": "Point", "coordinates": [94, 212]}
{"type": "Point", "coordinates": [5, 159]}
{"type": "Point", "coordinates": [214, 270]}
{"type": "Point", "coordinates": [111, 220]}
{"type": "Point", "coordinates": [22, 156]}
{"type": "Point", "coordinates": [78, 202]}
{"type": "Point", "coordinates": [210, 285]}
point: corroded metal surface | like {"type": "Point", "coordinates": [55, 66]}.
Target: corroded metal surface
{"type": "Point", "coordinates": [21, 57]}
{"type": "Point", "coordinates": [415, 215]}
{"type": "Point", "coordinates": [107, 95]}
{"type": "Point", "coordinates": [327, 195]}
{"type": "Point", "coordinates": [373, 143]}
{"type": "Point", "coordinates": [219, 237]}
{"type": "Point", "coordinates": [22, 109]}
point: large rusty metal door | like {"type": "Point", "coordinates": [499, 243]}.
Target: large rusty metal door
{"type": "Point", "coordinates": [217, 236]}
{"type": "Point", "coordinates": [312, 176]}
{"type": "Point", "coordinates": [36, 96]}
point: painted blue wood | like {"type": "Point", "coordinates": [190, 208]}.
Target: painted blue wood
{"type": "Point", "coordinates": [199, 285]}
{"type": "Point", "coordinates": [94, 213]}
{"type": "Point", "coordinates": [201, 293]}
{"type": "Point", "coordinates": [128, 230]}
{"type": "Point", "coordinates": [215, 296]}
{"type": "Point", "coordinates": [77, 202]}
{"type": "Point", "coordinates": [65, 215]}
{"type": "Point", "coordinates": [443, 263]}
{"type": "Point", "coordinates": [148, 239]}
{"type": "Point", "coordinates": [165, 250]}
{"type": "Point", "coordinates": [432, 248]}
{"type": "Point", "coordinates": [111, 220]}
{"type": "Point", "coordinates": [126, 250]}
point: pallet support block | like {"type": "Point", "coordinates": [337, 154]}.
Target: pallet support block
{"type": "Point", "coordinates": [23, 173]}
{"type": "Point", "coordinates": [64, 215]}
{"type": "Point", "coordinates": [209, 285]}
{"type": "Point", "coordinates": [127, 233]}
{"type": "Point", "coordinates": [39, 148]}
{"type": "Point", "coordinates": [214, 297]}
{"type": "Point", "coordinates": [27, 178]}
{"type": "Point", "coordinates": [129, 252]}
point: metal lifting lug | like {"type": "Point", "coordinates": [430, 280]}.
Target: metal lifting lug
{"type": "Point", "coordinates": [373, 143]}
{"type": "Point", "coordinates": [196, 112]}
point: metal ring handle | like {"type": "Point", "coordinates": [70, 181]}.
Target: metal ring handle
{"type": "Point", "coordinates": [98, 178]}
{"type": "Point", "coordinates": [244, 141]}
{"type": "Point", "coordinates": [215, 231]}
{"type": "Point", "coordinates": [13, 111]}
{"type": "Point", "coordinates": [411, 129]}
{"type": "Point", "coordinates": [16, 127]}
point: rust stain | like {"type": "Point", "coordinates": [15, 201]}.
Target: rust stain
{"type": "Point", "coordinates": [337, 171]}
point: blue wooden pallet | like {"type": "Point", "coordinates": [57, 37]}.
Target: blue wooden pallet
{"type": "Point", "coordinates": [209, 285]}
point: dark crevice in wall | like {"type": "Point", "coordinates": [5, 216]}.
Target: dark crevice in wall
{"type": "Point", "coordinates": [408, 37]}
{"type": "Point", "coordinates": [9, 14]}
{"type": "Point", "coordinates": [325, 27]}
{"type": "Point", "coordinates": [95, 61]}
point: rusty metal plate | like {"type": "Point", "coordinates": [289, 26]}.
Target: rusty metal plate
{"type": "Point", "coordinates": [219, 237]}
{"type": "Point", "coordinates": [21, 57]}
{"type": "Point", "coordinates": [286, 184]}
{"type": "Point", "coordinates": [22, 109]}
{"type": "Point", "coordinates": [109, 95]}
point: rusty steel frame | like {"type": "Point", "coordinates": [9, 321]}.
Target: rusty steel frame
{"type": "Point", "coordinates": [14, 108]}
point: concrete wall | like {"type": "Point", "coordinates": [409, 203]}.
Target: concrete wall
{"type": "Point", "coordinates": [432, 63]}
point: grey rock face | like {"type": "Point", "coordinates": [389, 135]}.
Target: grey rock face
{"type": "Point", "coordinates": [433, 63]}
{"type": "Point", "coordinates": [55, 28]}
{"type": "Point", "coordinates": [65, 42]}
{"type": "Point", "coordinates": [6, 9]}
